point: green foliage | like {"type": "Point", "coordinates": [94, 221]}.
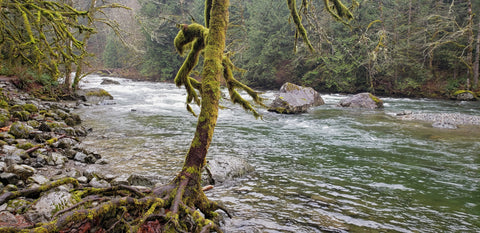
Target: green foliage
{"type": "Point", "coordinates": [115, 55]}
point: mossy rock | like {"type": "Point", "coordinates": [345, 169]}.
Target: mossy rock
{"type": "Point", "coordinates": [16, 108]}
{"type": "Point", "coordinates": [465, 95]}
{"type": "Point", "coordinates": [4, 117]}
{"type": "Point", "coordinates": [3, 104]}
{"type": "Point", "coordinates": [362, 100]}
{"type": "Point", "coordinates": [25, 146]}
{"type": "Point", "coordinates": [22, 115]}
{"type": "Point", "coordinates": [30, 107]}
{"type": "Point", "coordinates": [20, 130]}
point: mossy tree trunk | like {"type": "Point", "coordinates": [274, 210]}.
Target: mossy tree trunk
{"type": "Point", "coordinates": [195, 159]}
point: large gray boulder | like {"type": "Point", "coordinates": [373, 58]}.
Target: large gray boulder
{"type": "Point", "coordinates": [362, 100]}
{"type": "Point", "coordinates": [295, 99]}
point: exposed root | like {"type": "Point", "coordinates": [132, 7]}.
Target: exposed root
{"type": "Point", "coordinates": [180, 206]}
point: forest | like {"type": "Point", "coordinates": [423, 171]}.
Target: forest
{"type": "Point", "coordinates": [427, 48]}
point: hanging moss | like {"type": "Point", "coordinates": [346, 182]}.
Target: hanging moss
{"type": "Point", "coordinates": [298, 23]}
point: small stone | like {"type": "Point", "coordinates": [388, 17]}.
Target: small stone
{"type": "Point", "coordinates": [121, 180]}
{"type": "Point", "coordinates": [37, 179]}
{"type": "Point", "coordinates": [96, 183]}
{"type": "Point", "coordinates": [82, 179]}
{"type": "Point", "coordinates": [79, 156]}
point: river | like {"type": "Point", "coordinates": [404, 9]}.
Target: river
{"type": "Point", "coordinates": [329, 170]}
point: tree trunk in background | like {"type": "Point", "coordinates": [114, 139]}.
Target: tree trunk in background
{"type": "Point", "coordinates": [470, 43]}
{"type": "Point", "coordinates": [477, 58]}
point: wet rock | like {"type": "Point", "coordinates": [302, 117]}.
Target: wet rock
{"type": "Point", "coordinates": [48, 204]}
{"type": "Point", "coordinates": [227, 168]}
{"type": "Point", "coordinates": [93, 95]}
{"type": "Point", "coordinates": [295, 99]}
{"type": "Point", "coordinates": [362, 100]}
{"type": "Point", "coordinates": [97, 183]}
{"type": "Point", "coordinates": [21, 130]}
{"type": "Point", "coordinates": [107, 81]}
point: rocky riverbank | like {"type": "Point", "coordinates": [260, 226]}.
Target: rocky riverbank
{"type": "Point", "coordinates": [41, 142]}
{"type": "Point", "coordinates": [441, 120]}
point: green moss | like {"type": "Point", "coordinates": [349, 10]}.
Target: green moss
{"type": "Point", "coordinates": [99, 93]}
{"type": "Point", "coordinates": [16, 108]}
{"type": "Point", "coordinates": [25, 146]}
{"type": "Point", "coordinates": [378, 101]}
{"type": "Point", "coordinates": [30, 107]}
{"type": "Point", "coordinates": [3, 104]}
{"type": "Point", "coordinates": [22, 115]}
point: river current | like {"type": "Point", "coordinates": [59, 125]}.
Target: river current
{"type": "Point", "coordinates": [328, 170]}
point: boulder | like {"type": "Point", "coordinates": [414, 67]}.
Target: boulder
{"type": "Point", "coordinates": [362, 100]}
{"type": "Point", "coordinates": [107, 81]}
{"type": "Point", "coordinates": [464, 95]}
{"type": "Point", "coordinates": [93, 95]}
{"type": "Point", "coordinates": [295, 99]}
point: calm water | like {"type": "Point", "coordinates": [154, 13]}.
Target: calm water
{"type": "Point", "coordinates": [330, 169]}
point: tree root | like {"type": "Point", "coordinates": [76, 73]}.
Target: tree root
{"type": "Point", "coordinates": [180, 206]}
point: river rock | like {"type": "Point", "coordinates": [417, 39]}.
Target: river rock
{"type": "Point", "coordinates": [8, 178]}
{"type": "Point", "coordinates": [21, 130]}
{"type": "Point", "coordinates": [107, 81]}
{"type": "Point", "coordinates": [97, 183]}
{"type": "Point", "coordinates": [140, 180]}
{"type": "Point", "coordinates": [22, 171]}
{"type": "Point", "coordinates": [362, 100]}
{"type": "Point", "coordinates": [226, 168]}
{"type": "Point", "coordinates": [37, 179]}
{"type": "Point", "coordinates": [121, 180]}
{"type": "Point", "coordinates": [295, 99]}
{"type": "Point", "coordinates": [464, 95]}
{"type": "Point", "coordinates": [4, 117]}
{"type": "Point", "coordinates": [93, 95]}
{"type": "Point", "coordinates": [45, 207]}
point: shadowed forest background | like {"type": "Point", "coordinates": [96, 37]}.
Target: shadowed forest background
{"type": "Point", "coordinates": [409, 48]}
